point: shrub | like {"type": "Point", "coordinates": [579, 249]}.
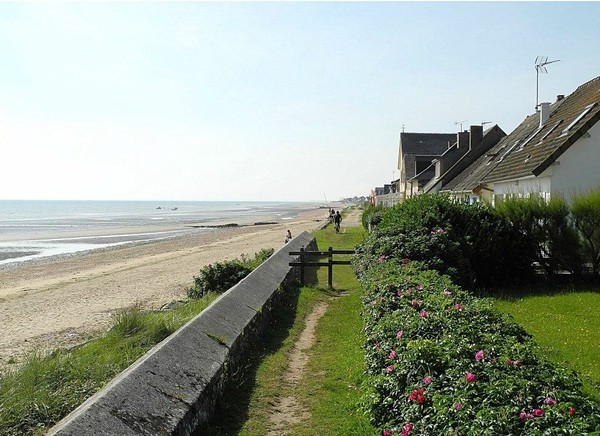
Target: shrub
{"type": "Point", "coordinates": [545, 227]}
{"type": "Point", "coordinates": [372, 216]}
{"type": "Point", "coordinates": [586, 213]}
{"type": "Point", "coordinates": [441, 361]}
{"type": "Point", "coordinates": [467, 242]}
{"type": "Point", "coordinates": [221, 276]}
{"type": "Point", "coordinates": [218, 277]}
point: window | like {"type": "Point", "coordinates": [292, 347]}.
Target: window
{"type": "Point", "coordinates": [579, 117]}
{"type": "Point", "coordinates": [421, 165]}
{"type": "Point", "coordinates": [550, 131]}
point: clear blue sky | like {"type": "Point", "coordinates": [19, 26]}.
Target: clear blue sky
{"type": "Point", "coordinates": [262, 101]}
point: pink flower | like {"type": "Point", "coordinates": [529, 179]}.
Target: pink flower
{"type": "Point", "coordinates": [399, 293]}
{"type": "Point", "coordinates": [406, 429]}
{"type": "Point", "coordinates": [399, 334]}
{"type": "Point", "coordinates": [419, 288]}
{"type": "Point", "coordinates": [439, 230]}
{"type": "Point", "coordinates": [572, 411]}
{"type": "Point", "coordinates": [459, 307]}
{"type": "Point", "coordinates": [525, 416]}
{"type": "Point", "coordinates": [479, 355]}
{"type": "Point", "coordinates": [392, 354]}
{"type": "Point", "coordinates": [415, 303]}
{"type": "Point", "coordinates": [381, 259]}
{"type": "Point", "coordinates": [427, 380]}
{"type": "Point", "coordinates": [387, 432]}
{"type": "Point", "coordinates": [550, 401]}
{"type": "Point", "coordinates": [389, 369]}
{"type": "Point", "coordinates": [537, 412]}
{"type": "Point", "coordinates": [470, 377]}
{"type": "Point", "coordinates": [447, 293]}
{"type": "Point", "coordinates": [457, 406]}
{"type": "Point", "coordinates": [423, 314]}
{"type": "Point", "coordinates": [517, 363]}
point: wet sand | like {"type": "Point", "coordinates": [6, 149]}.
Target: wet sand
{"type": "Point", "coordinates": [64, 301]}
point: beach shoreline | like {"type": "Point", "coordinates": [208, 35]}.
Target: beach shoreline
{"type": "Point", "coordinates": [63, 300]}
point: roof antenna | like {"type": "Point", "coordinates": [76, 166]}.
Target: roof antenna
{"type": "Point", "coordinates": [461, 123]}
{"type": "Point", "coordinates": [540, 67]}
{"type": "Point", "coordinates": [483, 123]}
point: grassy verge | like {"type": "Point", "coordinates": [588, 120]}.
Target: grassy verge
{"type": "Point", "coordinates": [566, 324]}
{"type": "Point", "coordinates": [332, 386]}
{"type": "Point", "coordinates": [46, 387]}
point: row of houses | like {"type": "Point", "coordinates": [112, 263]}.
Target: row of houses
{"type": "Point", "coordinates": [555, 151]}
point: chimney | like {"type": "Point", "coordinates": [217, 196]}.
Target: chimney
{"type": "Point", "coordinates": [462, 139]}
{"type": "Point", "coordinates": [475, 136]}
{"type": "Point", "coordinates": [544, 113]}
{"type": "Point", "coordinates": [559, 97]}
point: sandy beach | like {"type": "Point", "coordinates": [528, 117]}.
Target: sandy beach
{"type": "Point", "coordinates": [63, 302]}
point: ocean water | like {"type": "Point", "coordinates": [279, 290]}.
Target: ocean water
{"type": "Point", "coordinates": [32, 230]}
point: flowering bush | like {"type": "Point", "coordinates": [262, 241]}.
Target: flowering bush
{"type": "Point", "coordinates": [468, 243]}
{"type": "Point", "coordinates": [463, 368]}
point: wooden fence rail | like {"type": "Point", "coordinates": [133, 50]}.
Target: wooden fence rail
{"type": "Point", "coordinates": [304, 262]}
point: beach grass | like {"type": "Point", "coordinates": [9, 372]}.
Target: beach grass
{"type": "Point", "coordinates": [566, 325]}
{"type": "Point", "coordinates": [331, 388]}
{"type": "Point", "coordinates": [46, 387]}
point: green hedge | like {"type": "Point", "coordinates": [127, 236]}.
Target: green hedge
{"type": "Point", "coordinates": [439, 359]}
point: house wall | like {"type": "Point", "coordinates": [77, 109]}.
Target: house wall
{"type": "Point", "coordinates": [579, 167]}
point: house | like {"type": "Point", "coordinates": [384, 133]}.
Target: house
{"type": "Point", "coordinates": [553, 151]}
{"type": "Point", "coordinates": [415, 154]}
{"type": "Point", "coordinates": [469, 146]}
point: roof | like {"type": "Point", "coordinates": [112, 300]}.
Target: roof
{"type": "Point", "coordinates": [472, 176]}
{"type": "Point", "coordinates": [433, 144]}
{"type": "Point", "coordinates": [537, 148]}
{"type": "Point", "coordinates": [529, 150]}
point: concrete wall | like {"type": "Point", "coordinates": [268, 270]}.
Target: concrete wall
{"type": "Point", "coordinates": [174, 387]}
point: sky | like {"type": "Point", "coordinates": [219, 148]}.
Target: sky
{"type": "Point", "coordinates": [263, 101]}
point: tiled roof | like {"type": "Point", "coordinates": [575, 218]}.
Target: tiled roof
{"type": "Point", "coordinates": [472, 176]}
{"type": "Point", "coordinates": [536, 148]}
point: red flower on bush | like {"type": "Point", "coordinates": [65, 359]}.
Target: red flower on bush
{"type": "Point", "coordinates": [389, 369]}
{"type": "Point", "coordinates": [392, 354]}
{"type": "Point", "coordinates": [572, 411]}
{"type": "Point", "coordinates": [416, 303]}
{"type": "Point", "coordinates": [387, 432]}
{"type": "Point", "coordinates": [470, 377]}
{"type": "Point", "coordinates": [550, 401]}
{"type": "Point", "coordinates": [406, 429]}
{"type": "Point", "coordinates": [459, 307]}
{"type": "Point", "coordinates": [399, 334]}
{"type": "Point", "coordinates": [423, 314]}
{"type": "Point", "coordinates": [427, 380]}
{"type": "Point", "coordinates": [418, 396]}
{"type": "Point", "coordinates": [479, 355]}
{"type": "Point", "coordinates": [537, 412]}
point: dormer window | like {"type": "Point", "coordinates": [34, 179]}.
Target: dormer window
{"type": "Point", "coordinates": [579, 117]}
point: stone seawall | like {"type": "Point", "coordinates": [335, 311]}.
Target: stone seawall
{"type": "Point", "coordinates": [173, 388]}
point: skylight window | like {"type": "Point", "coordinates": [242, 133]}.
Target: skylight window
{"type": "Point", "coordinates": [508, 151]}
{"type": "Point", "coordinates": [579, 117]}
{"type": "Point", "coordinates": [529, 139]}
{"type": "Point", "coordinates": [550, 131]}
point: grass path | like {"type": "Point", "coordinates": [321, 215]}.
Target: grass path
{"type": "Point", "coordinates": [307, 378]}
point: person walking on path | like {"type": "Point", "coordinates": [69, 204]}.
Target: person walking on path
{"type": "Point", "coordinates": [337, 219]}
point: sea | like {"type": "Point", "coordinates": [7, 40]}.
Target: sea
{"type": "Point", "coordinates": [31, 230]}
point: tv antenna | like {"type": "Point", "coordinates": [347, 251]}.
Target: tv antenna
{"type": "Point", "coordinates": [540, 67]}
{"type": "Point", "coordinates": [456, 123]}
{"type": "Point", "coordinates": [483, 123]}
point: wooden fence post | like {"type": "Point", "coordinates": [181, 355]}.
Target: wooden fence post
{"type": "Point", "coordinates": [302, 265]}
{"type": "Point", "coordinates": [330, 269]}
